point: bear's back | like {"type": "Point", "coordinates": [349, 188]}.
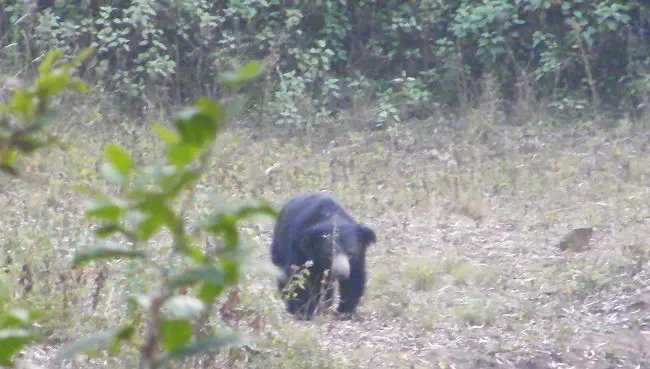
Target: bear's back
{"type": "Point", "coordinates": [309, 209]}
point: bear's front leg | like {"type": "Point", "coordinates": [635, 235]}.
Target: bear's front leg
{"type": "Point", "coordinates": [351, 290]}
{"type": "Point", "coordinates": [313, 295]}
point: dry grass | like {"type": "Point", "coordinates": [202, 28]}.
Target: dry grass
{"type": "Point", "coordinates": [466, 273]}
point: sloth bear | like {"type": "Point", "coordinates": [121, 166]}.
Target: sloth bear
{"type": "Point", "coordinates": [315, 227]}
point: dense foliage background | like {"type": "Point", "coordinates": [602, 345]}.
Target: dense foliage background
{"type": "Point", "coordinates": [409, 58]}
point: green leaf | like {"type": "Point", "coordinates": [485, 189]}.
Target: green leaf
{"type": "Point", "coordinates": [78, 85]}
{"type": "Point", "coordinates": [165, 134]}
{"type": "Point", "coordinates": [183, 308]}
{"type": "Point", "coordinates": [196, 126]}
{"type": "Point", "coordinates": [210, 291]}
{"type": "Point", "coordinates": [15, 318]}
{"type": "Point", "coordinates": [157, 214]}
{"type": "Point", "coordinates": [12, 171]}
{"type": "Point", "coordinates": [216, 111]}
{"type": "Point", "coordinates": [175, 183]}
{"type": "Point", "coordinates": [224, 222]}
{"type": "Point", "coordinates": [230, 267]}
{"type": "Point", "coordinates": [148, 227]}
{"type": "Point", "coordinates": [11, 342]}
{"type": "Point", "coordinates": [206, 345]}
{"type": "Point", "coordinates": [22, 103]}
{"type": "Point", "coordinates": [237, 212]}
{"type": "Point", "coordinates": [48, 61]}
{"type": "Point", "coordinates": [242, 75]}
{"type": "Point", "coordinates": [229, 231]}
{"type": "Point", "coordinates": [125, 333]}
{"type": "Point", "coordinates": [109, 229]}
{"type": "Point", "coordinates": [176, 333]}
{"type": "Point", "coordinates": [204, 273]}
{"type": "Point", "coordinates": [182, 153]}
{"type": "Point", "coordinates": [51, 84]}
{"type": "Point", "coordinates": [105, 209]}
{"type": "Point", "coordinates": [106, 252]}
{"type": "Point", "coordinates": [5, 289]}
{"type": "Point", "coordinates": [83, 56]}
{"type": "Point", "coordinates": [112, 174]}
{"type": "Point", "coordinates": [189, 250]}
{"type": "Point", "coordinates": [108, 339]}
{"type": "Point", "coordinates": [143, 302]}
{"type": "Point", "coordinates": [250, 70]}
{"type": "Point", "coordinates": [160, 172]}
{"type": "Point", "coordinates": [119, 158]}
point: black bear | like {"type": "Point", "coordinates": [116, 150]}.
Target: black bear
{"type": "Point", "coordinates": [315, 227]}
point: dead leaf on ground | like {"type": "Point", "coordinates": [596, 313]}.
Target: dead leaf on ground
{"type": "Point", "coordinates": [227, 310]}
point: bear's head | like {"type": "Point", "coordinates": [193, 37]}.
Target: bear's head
{"type": "Point", "coordinates": [340, 248]}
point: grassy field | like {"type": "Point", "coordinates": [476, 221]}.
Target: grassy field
{"type": "Point", "coordinates": [466, 273]}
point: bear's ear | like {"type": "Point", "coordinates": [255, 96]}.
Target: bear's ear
{"type": "Point", "coordinates": [367, 235]}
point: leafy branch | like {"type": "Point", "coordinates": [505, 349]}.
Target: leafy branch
{"type": "Point", "coordinates": [148, 204]}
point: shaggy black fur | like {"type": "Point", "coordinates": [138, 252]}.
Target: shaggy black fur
{"type": "Point", "coordinates": [304, 232]}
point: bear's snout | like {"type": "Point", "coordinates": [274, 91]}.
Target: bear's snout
{"type": "Point", "coordinates": [341, 266]}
